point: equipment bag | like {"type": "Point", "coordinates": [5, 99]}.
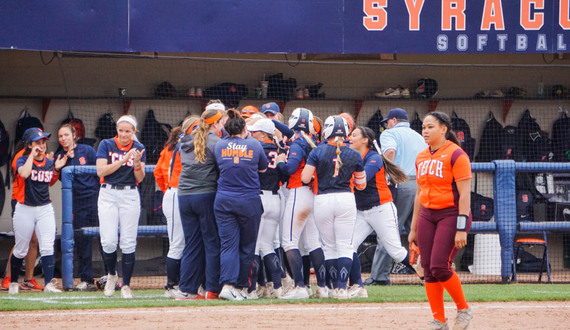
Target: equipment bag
{"type": "Point", "coordinates": [106, 127]}
{"type": "Point", "coordinates": [492, 132]}
{"type": "Point", "coordinates": [482, 207]}
{"type": "Point", "coordinates": [534, 142]}
{"type": "Point", "coordinates": [375, 123]}
{"type": "Point", "coordinates": [25, 121]}
{"type": "Point", "coordinates": [561, 139]}
{"type": "Point", "coordinates": [463, 133]}
{"type": "Point", "coordinates": [153, 136]}
{"type": "Point", "coordinates": [416, 124]}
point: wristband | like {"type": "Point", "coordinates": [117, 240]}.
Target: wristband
{"type": "Point", "coordinates": [279, 162]}
{"type": "Point", "coordinates": [138, 168]}
{"type": "Point", "coordinates": [462, 222]}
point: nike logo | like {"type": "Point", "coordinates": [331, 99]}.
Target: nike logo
{"type": "Point", "coordinates": [442, 156]}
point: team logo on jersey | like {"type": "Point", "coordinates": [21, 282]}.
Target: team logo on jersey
{"type": "Point", "coordinates": [82, 161]}
{"type": "Point", "coordinates": [41, 176]}
{"type": "Point", "coordinates": [116, 157]}
{"type": "Point", "coordinates": [431, 167]}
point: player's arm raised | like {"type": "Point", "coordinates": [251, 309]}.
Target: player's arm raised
{"type": "Point", "coordinates": [25, 170]}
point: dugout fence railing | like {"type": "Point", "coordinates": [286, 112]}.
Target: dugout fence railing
{"type": "Point", "coordinates": [504, 223]}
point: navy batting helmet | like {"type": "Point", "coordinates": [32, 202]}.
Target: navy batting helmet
{"type": "Point", "coordinates": [301, 120]}
{"type": "Point", "coordinates": [335, 126]}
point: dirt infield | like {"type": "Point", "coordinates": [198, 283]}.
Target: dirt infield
{"type": "Point", "coordinates": [494, 315]}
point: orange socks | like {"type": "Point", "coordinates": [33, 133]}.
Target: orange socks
{"type": "Point", "coordinates": [455, 290]}
{"type": "Point", "coordinates": [434, 293]}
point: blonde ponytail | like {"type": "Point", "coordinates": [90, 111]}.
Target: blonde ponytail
{"type": "Point", "coordinates": [309, 139]}
{"type": "Point", "coordinates": [338, 163]}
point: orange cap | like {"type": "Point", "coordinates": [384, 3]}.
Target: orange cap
{"type": "Point", "coordinates": [248, 111]}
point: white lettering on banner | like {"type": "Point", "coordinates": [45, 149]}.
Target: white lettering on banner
{"type": "Point", "coordinates": [115, 157]}
{"type": "Point", "coordinates": [235, 146]}
{"type": "Point", "coordinates": [41, 176]}
{"type": "Point", "coordinates": [454, 16]}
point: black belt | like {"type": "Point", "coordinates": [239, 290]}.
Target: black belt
{"type": "Point", "coordinates": [118, 187]}
{"type": "Point", "coordinates": [273, 192]}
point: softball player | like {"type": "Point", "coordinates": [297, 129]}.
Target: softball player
{"type": "Point", "coordinates": [240, 159]}
{"type": "Point", "coordinates": [298, 222]}
{"type": "Point", "coordinates": [85, 191]}
{"type": "Point", "coordinates": [196, 194]}
{"type": "Point", "coordinates": [335, 207]}
{"type": "Point", "coordinates": [376, 211]}
{"type": "Point", "coordinates": [263, 130]}
{"type": "Point", "coordinates": [120, 165]}
{"type": "Point", "coordinates": [166, 174]}
{"type": "Point", "coordinates": [442, 217]}
{"type": "Point", "coordinates": [34, 210]}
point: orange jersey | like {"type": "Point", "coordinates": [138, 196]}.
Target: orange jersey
{"type": "Point", "coordinates": [438, 173]}
{"type": "Point", "coordinates": [163, 166]}
{"type": "Point", "coordinates": [16, 187]}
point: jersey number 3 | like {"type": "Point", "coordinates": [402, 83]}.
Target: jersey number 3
{"type": "Point", "coordinates": [272, 155]}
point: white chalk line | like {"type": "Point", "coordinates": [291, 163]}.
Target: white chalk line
{"type": "Point", "coordinates": [225, 309]}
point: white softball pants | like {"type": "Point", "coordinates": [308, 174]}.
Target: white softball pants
{"type": "Point", "coordinates": [298, 222]}
{"type": "Point", "coordinates": [171, 211]}
{"type": "Point", "coordinates": [335, 216]}
{"type": "Point", "coordinates": [269, 223]}
{"type": "Point", "coordinates": [382, 219]}
{"type": "Point", "coordinates": [29, 218]}
{"type": "Point", "coordinates": [118, 209]}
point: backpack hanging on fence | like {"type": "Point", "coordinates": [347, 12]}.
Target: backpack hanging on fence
{"type": "Point", "coordinates": [375, 123]}
{"type": "Point", "coordinates": [482, 207]}
{"type": "Point", "coordinates": [561, 139]}
{"type": "Point", "coordinates": [25, 121]}
{"type": "Point", "coordinates": [106, 127]}
{"type": "Point", "coordinates": [79, 130]}
{"type": "Point", "coordinates": [534, 142]}
{"type": "Point", "coordinates": [416, 124]}
{"type": "Point", "coordinates": [463, 132]}
{"type": "Point", "coordinates": [490, 137]}
{"type": "Point", "coordinates": [153, 136]}
{"type": "Point", "coordinates": [279, 88]}
{"type": "Point", "coordinates": [510, 146]}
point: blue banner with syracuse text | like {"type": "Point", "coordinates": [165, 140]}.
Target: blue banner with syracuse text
{"type": "Point", "coordinates": [288, 26]}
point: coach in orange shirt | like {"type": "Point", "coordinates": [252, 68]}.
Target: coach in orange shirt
{"type": "Point", "coordinates": [442, 216]}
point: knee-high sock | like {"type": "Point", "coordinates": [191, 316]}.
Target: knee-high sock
{"type": "Point", "coordinates": [286, 265]}
{"type": "Point", "coordinates": [318, 259]}
{"type": "Point", "coordinates": [296, 263]}
{"type": "Point", "coordinates": [48, 265]}
{"type": "Point", "coordinates": [172, 272]}
{"type": "Point", "coordinates": [128, 263]}
{"type": "Point", "coordinates": [273, 268]}
{"type": "Point", "coordinates": [355, 271]}
{"type": "Point", "coordinates": [15, 265]}
{"type": "Point", "coordinates": [110, 260]}
{"type": "Point", "coordinates": [332, 266]}
{"type": "Point", "coordinates": [434, 292]}
{"type": "Point", "coordinates": [254, 273]}
{"type": "Point", "coordinates": [282, 260]}
{"type": "Point", "coordinates": [307, 270]}
{"type": "Point", "coordinates": [261, 279]}
{"type": "Point", "coordinates": [344, 267]}
{"type": "Point", "coordinates": [455, 290]}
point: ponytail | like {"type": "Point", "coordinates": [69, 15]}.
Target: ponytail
{"type": "Point", "coordinates": [201, 134]}
{"type": "Point", "coordinates": [309, 139]}
{"type": "Point", "coordinates": [338, 163]}
{"type": "Point", "coordinates": [391, 169]}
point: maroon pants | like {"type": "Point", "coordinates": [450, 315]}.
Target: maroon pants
{"type": "Point", "coordinates": [436, 241]}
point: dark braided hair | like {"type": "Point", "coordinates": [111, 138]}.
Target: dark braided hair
{"type": "Point", "coordinates": [235, 123]}
{"type": "Point", "coordinates": [444, 119]}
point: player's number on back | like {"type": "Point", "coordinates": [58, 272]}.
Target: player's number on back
{"type": "Point", "coordinates": [272, 156]}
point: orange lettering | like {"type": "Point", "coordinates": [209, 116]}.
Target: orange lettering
{"type": "Point", "coordinates": [376, 18]}
{"type": "Point", "coordinates": [564, 14]}
{"type": "Point", "coordinates": [493, 14]}
{"type": "Point", "coordinates": [531, 20]}
{"type": "Point", "coordinates": [453, 9]}
{"type": "Point", "coordinates": [250, 154]}
{"type": "Point", "coordinates": [414, 10]}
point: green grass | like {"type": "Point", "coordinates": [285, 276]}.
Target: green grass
{"type": "Point", "coordinates": [377, 294]}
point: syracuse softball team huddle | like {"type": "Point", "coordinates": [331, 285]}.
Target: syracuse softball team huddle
{"type": "Point", "coordinates": [251, 204]}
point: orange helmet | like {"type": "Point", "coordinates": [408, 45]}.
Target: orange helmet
{"type": "Point", "coordinates": [348, 119]}
{"type": "Point", "coordinates": [248, 111]}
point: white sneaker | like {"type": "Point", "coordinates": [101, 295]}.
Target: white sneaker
{"type": "Point", "coordinates": [437, 325]}
{"type": "Point", "coordinates": [181, 295]}
{"type": "Point", "coordinates": [463, 318]}
{"type": "Point", "coordinates": [342, 294]}
{"type": "Point", "coordinates": [333, 294]}
{"type": "Point", "coordinates": [309, 291]}
{"type": "Point", "coordinates": [389, 93]}
{"type": "Point", "coordinates": [262, 291]}
{"type": "Point", "coordinates": [306, 94]}
{"type": "Point", "coordinates": [110, 285]}
{"type": "Point", "coordinates": [14, 288]}
{"type": "Point", "coordinates": [51, 286]}
{"type": "Point", "coordinates": [199, 92]}
{"type": "Point", "coordinates": [322, 292]}
{"type": "Point", "coordinates": [296, 293]}
{"type": "Point", "coordinates": [126, 292]}
{"type": "Point", "coordinates": [169, 293]}
{"type": "Point", "coordinates": [299, 93]}
{"type": "Point", "coordinates": [357, 291]}
{"type": "Point", "coordinates": [405, 93]}
{"type": "Point", "coordinates": [192, 92]}
{"type": "Point", "coordinates": [287, 283]}
{"type": "Point", "coordinates": [230, 293]}
{"type": "Point", "coordinates": [201, 291]}
{"type": "Point", "coordinates": [248, 295]}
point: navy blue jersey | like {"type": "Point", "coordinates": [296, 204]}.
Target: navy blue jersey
{"type": "Point", "coordinates": [269, 180]}
{"type": "Point", "coordinates": [113, 152]}
{"type": "Point", "coordinates": [323, 158]}
{"type": "Point", "coordinates": [376, 191]}
{"type": "Point", "coordinates": [35, 190]}
{"type": "Point", "coordinates": [239, 161]}
{"type": "Point", "coordinates": [296, 158]}
{"type": "Point", "coordinates": [84, 186]}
